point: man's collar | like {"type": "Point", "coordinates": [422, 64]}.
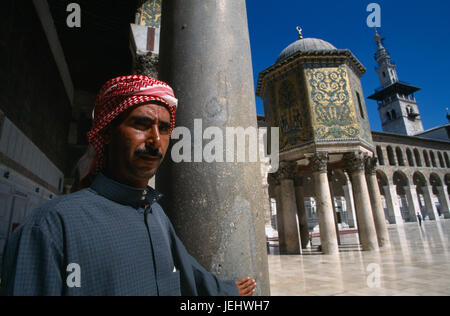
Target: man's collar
{"type": "Point", "coordinates": [124, 194]}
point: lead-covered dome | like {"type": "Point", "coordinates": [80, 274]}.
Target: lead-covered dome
{"type": "Point", "coordinates": [305, 45]}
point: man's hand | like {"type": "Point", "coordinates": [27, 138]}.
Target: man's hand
{"type": "Point", "coordinates": [246, 287]}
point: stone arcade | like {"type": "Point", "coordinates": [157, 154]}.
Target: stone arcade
{"type": "Point", "coordinates": [329, 154]}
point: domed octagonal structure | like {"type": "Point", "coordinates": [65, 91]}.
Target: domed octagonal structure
{"type": "Point", "coordinates": [314, 94]}
{"type": "Point", "coordinates": [305, 45]}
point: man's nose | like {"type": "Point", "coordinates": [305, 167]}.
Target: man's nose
{"type": "Point", "coordinates": [154, 137]}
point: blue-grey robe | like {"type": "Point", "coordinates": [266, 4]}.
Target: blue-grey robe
{"type": "Point", "coordinates": [118, 236]}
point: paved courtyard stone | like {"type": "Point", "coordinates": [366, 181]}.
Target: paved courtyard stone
{"type": "Point", "coordinates": [417, 264]}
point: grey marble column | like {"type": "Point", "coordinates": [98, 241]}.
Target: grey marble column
{"type": "Point", "coordinates": [443, 199]}
{"type": "Point", "coordinates": [301, 211]}
{"type": "Point", "coordinates": [348, 193]}
{"type": "Point", "coordinates": [429, 203]}
{"type": "Point", "coordinates": [375, 201]}
{"type": "Point", "coordinates": [395, 215]}
{"type": "Point", "coordinates": [367, 231]}
{"type": "Point", "coordinates": [287, 214]}
{"type": "Point", "coordinates": [328, 238]}
{"type": "Point", "coordinates": [215, 207]}
{"type": "Point", "coordinates": [413, 202]}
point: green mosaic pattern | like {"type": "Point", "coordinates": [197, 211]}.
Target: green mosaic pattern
{"type": "Point", "coordinates": [334, 116]}
{"type": "Point", "coordinates": [151, 13]}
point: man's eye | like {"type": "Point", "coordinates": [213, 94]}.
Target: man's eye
{"type": "Point", "coordinates": [164, 129]}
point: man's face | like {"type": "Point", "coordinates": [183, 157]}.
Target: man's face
{"type": "Point", "coordinates": [139, 144]}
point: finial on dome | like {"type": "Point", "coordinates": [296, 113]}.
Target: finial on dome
{"type": "Point", "coordinates": [300, 34]}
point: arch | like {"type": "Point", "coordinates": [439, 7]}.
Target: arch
{"type": "Point", "coordinates": [409, 154]}
{"type": "Point", "coordinates": [417, 156]}
{"type": "Point", "coordinates": [426, 158]}
{"type": "Point", "coordinates": [435, 180]}
{"type": "Point", "coordinates": [388, 116]}
{"type": "Point", "coordinates": [394, 115]}
{"type": "Point", "coordinates": [383, 181]}
{"type": "Point", "coordinates": [391, 156]}
{"type": "Point", "coordinates": [401, 182]}
{"type": "Point", "coordinates": [380, 155]}
{"type": "Point", "coordinates": [433, 159]}
{"type": "Point", "coordinates": [441, 160]}
{"type": "Point", "coordinates": [447, 182]}
{"type": "Point", "coordinates": [337, 180]}
{"type": "Point", "coordinates": [447, 161]}
{"type": "Point", "coordinates": [419, 179]}
{"type": "Point", "coordinates": [399, 153]}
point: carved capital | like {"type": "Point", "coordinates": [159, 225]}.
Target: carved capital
{"type": "Point", "coordinates": [371, 165]}
{"type": "Point", "coordinates": [319, 163]}
{"type": "Point", "coordinates": [286, 171]}
{"type": "Point", "coordinates": [355, 162]}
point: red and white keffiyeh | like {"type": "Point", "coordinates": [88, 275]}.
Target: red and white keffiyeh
{"type": "Point", "coordinates": [115, 97]}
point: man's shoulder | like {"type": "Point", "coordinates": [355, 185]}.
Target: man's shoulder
{"type": "Point", "coordinates": [60, 206]}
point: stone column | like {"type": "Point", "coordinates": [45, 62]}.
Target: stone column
{"type": "Point", "coordinates": [348, 192]}
{"type": "Point", "coordinates": [429, 203]}
{"type": "Point", "coordinates": [367, 232]}
{"type": "Point", "coordinates": [443, 199]}
{"type": "Point", "coordinates": [375, 201]}
{"type": "Point", "coordinates": [215, 207]}
{"type": "Point", "coordinates": [395, 215]}
{"type": "Point", "coordinates": [413, 202]}
{"type": "Point", "coordinates": [301, 211]}
{"type": "Point", "coordinates": [276, 189]}
{"type": "Point", "coordinates": [328, 239]}
{"type": "Point", "coordinates": [287, 214]}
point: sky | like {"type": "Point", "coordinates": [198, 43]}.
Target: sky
{"type": "Point", "coordinates": [417, 37]}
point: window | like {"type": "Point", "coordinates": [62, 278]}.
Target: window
{"type": "Point", "coordinates": [410, 157]}
{"type": "Point", "coordinates": [433, 159]}
{"type": "Point", "coordinates": [447, 161]}
{"type": "Point", "coordinates": [401, 161]}
{"type": "Point", "coordinates": [441, 160]}
{"type": "Point", "coordinates": [391, 156]}
{"type": "Point", "coordinates": [418, 159]}
{"type": "Point", "coordinates": [361, 111]}
{"type": "Point", "coordinates": [388, 116]}
{"type": "Point", "coordinates": [394, 115]}
{"type": "Point", "coordinates": [380, 155]}
{"type": "Point", "coordinates": [427, 159]}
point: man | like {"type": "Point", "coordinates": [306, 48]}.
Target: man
{"type": "Point", "coordinates": [419, 218]}
{"type": "Point", "coordinates": [113, 238]}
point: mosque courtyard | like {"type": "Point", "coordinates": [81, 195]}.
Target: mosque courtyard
{"type": "Point", "coordinates": [417, 264]}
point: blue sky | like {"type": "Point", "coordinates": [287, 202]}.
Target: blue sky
{"type": "Point", "coordinates": [417, 36]}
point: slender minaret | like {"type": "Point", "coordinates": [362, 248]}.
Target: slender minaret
{"type": "Point", "coordinates": [397, 105]}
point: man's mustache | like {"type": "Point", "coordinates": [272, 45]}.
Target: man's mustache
{"type": "Point", "coordinates": [149, 151]}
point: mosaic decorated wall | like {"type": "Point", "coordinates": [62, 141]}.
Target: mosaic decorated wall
{"type": "Point", "coordinates": [358, 99]}
{"type": "Point", "coordinates": [317, 103]}
{"type": "Point", "coordinates": [333, 110]}
{"type": "Point", "coordinates": [150, 13]}
{"type": "Point", "coordinates": [289, 110]}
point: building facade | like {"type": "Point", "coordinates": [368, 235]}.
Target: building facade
{"type": "Point", "coordinates": [335, 172]}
